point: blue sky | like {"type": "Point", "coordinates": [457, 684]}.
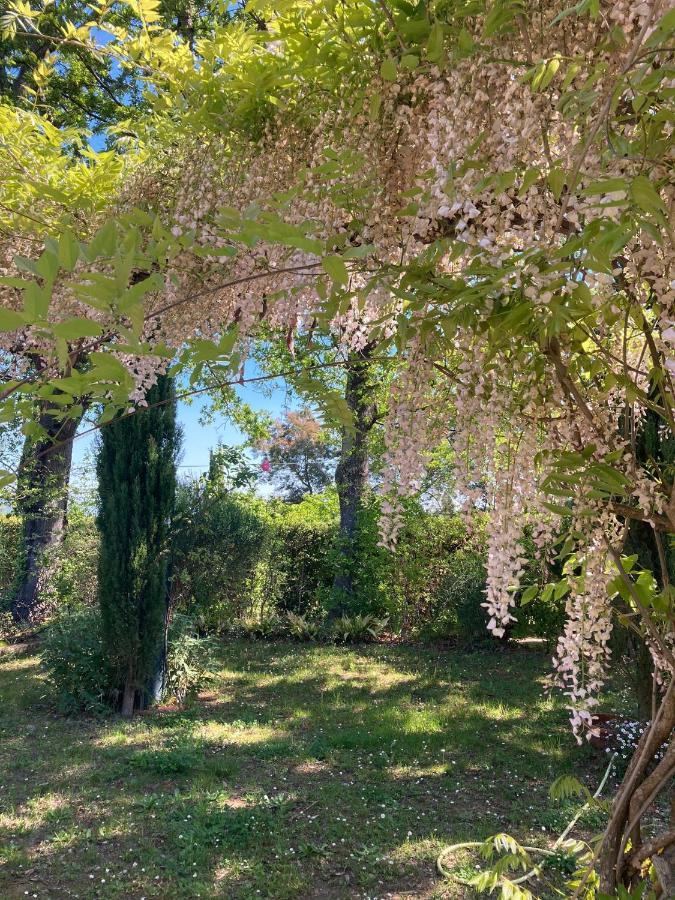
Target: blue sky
{"type": "Point", "coordinates": [198, 438]}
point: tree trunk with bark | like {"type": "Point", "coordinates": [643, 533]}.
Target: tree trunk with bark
{"type": "Point", "coordinates": [351, 473]}
{"type": "Point", "coordinates": [42, 501]}
{"type": "Point", "coordinates": [643, 782]}
{"type": "Point", "coordinates": [622, 850]}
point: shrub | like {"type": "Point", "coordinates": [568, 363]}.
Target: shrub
{"type": "Point", "coordinates": [75, 579]}
{"type": "Point", "coordinates": [542, 618]}
{"type": "Point", "coordinates": [369, 566]}
{"type": "Point", "coordinates": [434, 551]}
{"type": "Point", "coordinates": [217, 541]}
{"type": "Point", "coordinates": [265, 628]}
{"type": "Point", "coordinates": [11, 631]}
{"type": "Point", "coordinates": [467, 592]}
{"type": "Point", "coordinates": [297, 574]}
{"type": "Point", "coordinates": [189, 659]}
{"type": "Point", "coordinates": [10, 535]}
{"type": "Point", "coordinates": [455, 609]}
{"type": "Point", "coordinates": [77, 667]}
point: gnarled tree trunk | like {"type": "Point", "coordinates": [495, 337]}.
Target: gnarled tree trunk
{"type": "Point", "coordinates": [646, 777]}
{"type": "Point", "coordinates": [639, 789]}
{"type": "Point", "coordinates": [42, 501]}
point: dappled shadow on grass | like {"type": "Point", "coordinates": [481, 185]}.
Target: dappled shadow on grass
{"type": "Point", "coordinates": [315, 772]}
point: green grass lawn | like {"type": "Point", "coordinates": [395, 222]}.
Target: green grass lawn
{"type": "Point", "coordinates": [310, 771]}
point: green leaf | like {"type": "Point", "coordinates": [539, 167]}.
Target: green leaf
{"type": "Point", "coordinates": [572, 72]}
{"type": "Point", "coordinates": [665, 27]}
{"type": "Point", "coordinates": [465, 43]}
{"type": "Point", "coordinates": [567, 786]}
{"type": "Point", "coordinates": [72, 329]}
{"type": "Point", "coordinates": [10, 320]}
{"type": "Point", "coordinates": [106, 367]}
{"type": "Point", "coordinates": [410, 209]}
{"type": "Point", "coordinates": [61, 352]}
{"type": "Point", "coordinates": [646, 196]}
{"type": "Point", "coordinates": [26, 265]}
{"type": "Point", "coordinates": [556, 181]}
{"type": "Point", "coordinates": [531, 175]}
{"type": "Point", "coordinates": [104, 241]}
{"type": "Point", "coordinates": [606, 186]}
{"type": "Point", "coordinates": [561, 588]}
{"type": "Point", "coordinates": [410, 61]}
{"type": "Point", "coordinates": [69, 250]}
{"type": "Point", "coordinates": [500, 17]}
{"type": "Point", "coordinates": [388, 69]}
{"type": "Point", "coordinates": [529, 594]}
{"type": "Point", "coordinates": [435, 43]}
{"type": "Point", "coordinates": [47, 266]}
{"type": "Point", "coordinates": [336, 268]}
{"type": "Point", "coordinates": [359, 252]}
{"type": "Point", "coordinates": [547, 593]}
{"type": "Point", "coordinates": [36, 301]}
{"type": "Point", "coordinates": [96, 290]}
{"type": "Point", "coordinates": [13, 282]}
{"type": "Point", "coordinates": [545, 73]}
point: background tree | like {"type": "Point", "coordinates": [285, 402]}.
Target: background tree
{"type": "Point", "coordinates": [350, 390]}
{"type": "Point", "coordinates": [91, 91]}
{"type": "Point", "coordinates": [300, 455]}
{"type": "Point", "coordinates": [352, 471]}
{"type": "Point", "coordinates": [137, 485]}
{"type": "Point", "coordinates": [42, 503]}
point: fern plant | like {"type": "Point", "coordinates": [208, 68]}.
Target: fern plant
{"type": "Point", "coordinates": [350, 629]}
{"type": "Point", "coordinates": [302, 628]}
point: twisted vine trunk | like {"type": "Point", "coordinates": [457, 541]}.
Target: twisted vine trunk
{"type": "Point", "coordinates": [646, 777]}
{"type": "Point", "coordinates": [639, 789]}
{"type": "Point", "coordinates": [42, 501]}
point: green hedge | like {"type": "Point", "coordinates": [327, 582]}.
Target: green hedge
{"type": "Point", "coordinates": [10, 535]}
{"type": "Point", "coordinates": [238, 558]}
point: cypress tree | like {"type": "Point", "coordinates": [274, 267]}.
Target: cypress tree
{"type": "Point", "coordinates": [137, 484]}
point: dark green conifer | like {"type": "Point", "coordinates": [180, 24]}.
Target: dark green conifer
{"type": "Point", "coordinates": [137, 485]}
